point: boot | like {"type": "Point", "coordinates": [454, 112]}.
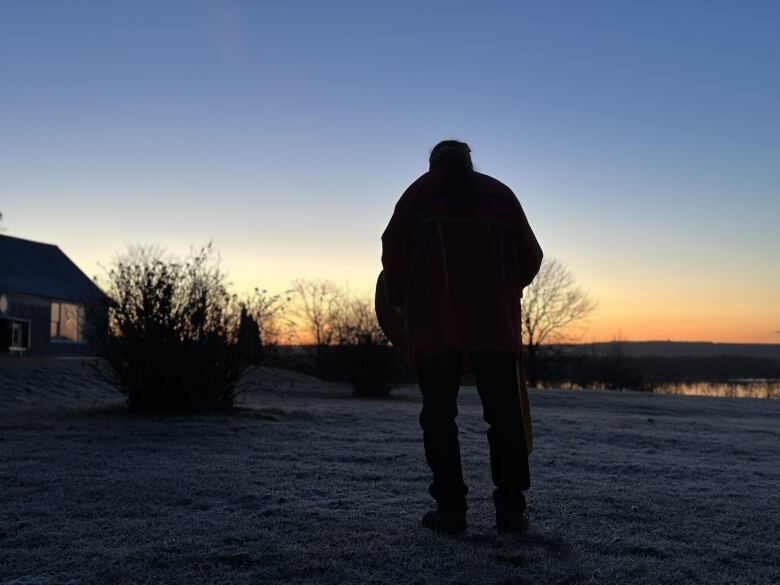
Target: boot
{"type": "Point", "coordinates": [448, 522]}
{"type": "Point", "coordinates": [515, 523]}
{"type": "Point", "coordinates": [511, 515]}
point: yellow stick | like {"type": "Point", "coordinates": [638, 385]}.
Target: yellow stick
{"type": "Point", "coordinates": [522, 389]}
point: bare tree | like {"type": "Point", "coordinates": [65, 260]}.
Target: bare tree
{"type": "Point", "coordinates": [316, 304]}
{"type": "Point", "coordinates": [551, 308]}
{"type": "Point", "coordinates": [355, 322]}
{"type": "Point", "coordinates": [264, 324]}
{"type": "Point", "coordinates": [363, 353]}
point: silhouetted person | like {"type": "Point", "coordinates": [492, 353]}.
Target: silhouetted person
{"type": "Point", "coordinates": [457, 254]}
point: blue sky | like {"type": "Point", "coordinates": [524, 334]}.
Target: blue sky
{"type": "Point", "coordinates": [643, 139]}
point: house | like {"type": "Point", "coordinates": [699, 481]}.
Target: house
{"type": "Point", "coordinates": [48, 306]}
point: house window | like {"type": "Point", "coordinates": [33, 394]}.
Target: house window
{"type": "Point", "coordinates": [14, 335]}
{"type": "Point", "coordinates": [67, 322]}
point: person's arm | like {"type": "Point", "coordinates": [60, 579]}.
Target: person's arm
{"type": "Point", "coordinates": [396, 257]}
{"type": "Point", "coordinates": [529, 253]}
{"type": "Point", "coordinates": [396, 244]}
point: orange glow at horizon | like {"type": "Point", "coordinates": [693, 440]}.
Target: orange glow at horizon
{"type": "Point", "coordinates": [632, 305]}
{"type": "Point", "coordinates": [665, 318]}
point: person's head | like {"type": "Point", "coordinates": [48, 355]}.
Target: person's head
{"type": "Point", "coordinates": [451, 154]}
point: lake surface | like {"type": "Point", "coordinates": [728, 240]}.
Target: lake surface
{"type": "Point", "coordinates": [744, 388]}
{"type": "Point", "coordinates": [728, 389]}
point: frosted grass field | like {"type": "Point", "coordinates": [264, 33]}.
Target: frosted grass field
{"type": "Point", "coordinates": [308, 485]}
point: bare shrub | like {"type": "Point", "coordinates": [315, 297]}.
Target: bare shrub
{"type": "Point", "coordinates": [177, 341]}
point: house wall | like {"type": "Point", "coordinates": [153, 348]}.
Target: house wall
{"type": "Point", "coordinates": [37, 310]}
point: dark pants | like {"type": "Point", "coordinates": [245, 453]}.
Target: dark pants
{"type": "Point", "coordinates": [496, 378]}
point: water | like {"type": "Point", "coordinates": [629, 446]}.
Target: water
{"type": "Point", "coordinates": [748, 388]}
{"type": "Point", "coordinates": [743, 388]}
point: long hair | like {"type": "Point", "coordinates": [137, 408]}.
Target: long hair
{"type": "Point", "coordinates": [453, 159]}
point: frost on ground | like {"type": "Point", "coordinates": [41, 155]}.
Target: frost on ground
{"type": "Point", "coordinates": [308, 485]}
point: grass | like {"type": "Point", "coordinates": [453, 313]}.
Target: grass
{"type": "Point", "coordinates": [305, 484]}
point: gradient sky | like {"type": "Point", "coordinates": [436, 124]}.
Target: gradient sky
{"type": "Point", "coordinates": [642, 138]}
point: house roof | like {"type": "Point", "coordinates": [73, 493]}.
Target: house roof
{"type": "Point", "coordinates": [38, 269]}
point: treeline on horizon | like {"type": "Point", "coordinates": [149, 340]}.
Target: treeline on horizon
{"type": "Point", "coordinates": [574, 366]}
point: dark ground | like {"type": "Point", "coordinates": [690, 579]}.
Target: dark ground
{"type": "Point", "coordinates": [308, 485]}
